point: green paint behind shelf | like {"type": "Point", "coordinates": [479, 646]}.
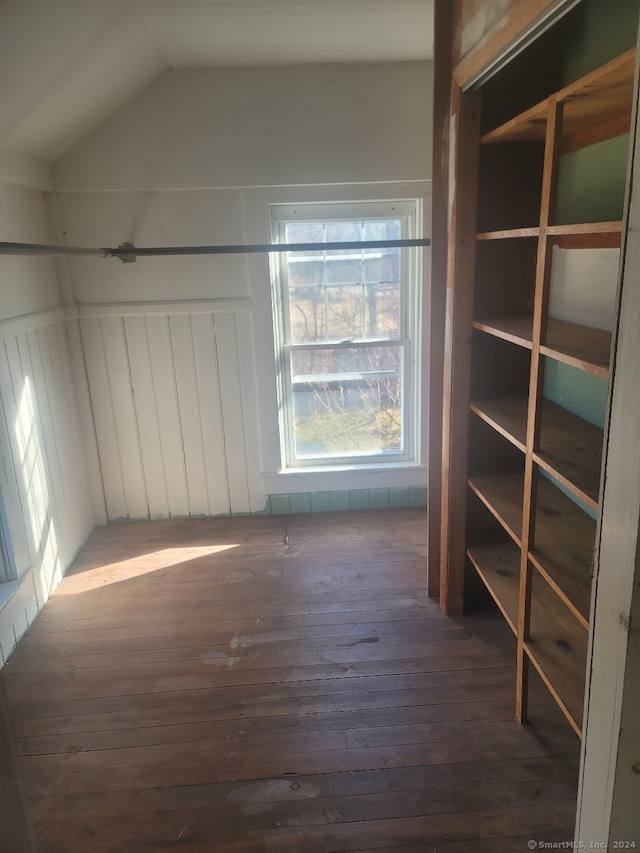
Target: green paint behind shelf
{"type": "Point", "coordinates": [574, 498]}
{"type": "Point", "coordinates": [583, 394]}
{"type": "Point", "coordinates": [591, 182]}
{"type": "Point", "coordinates": [601, 30]}
{"type": "Point", "coordinates": [589, 35]}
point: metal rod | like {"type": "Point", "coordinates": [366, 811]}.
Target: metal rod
{"type": "Point", "coordinates": [39, 249]}
{"type": "Point", "coordinates": [126, 252]}
{"type": "Point", "coordinates": [265, 247]}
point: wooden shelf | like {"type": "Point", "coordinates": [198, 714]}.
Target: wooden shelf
{"type": "Point", "coordinates": [571, 450]}
{"type": "Point", "coordinates": [498, 564]}
{"type": "Point", "coordinates": [596, 108]}
{"type": "Point", "coordinates": [508, 234]}
{"type": "Point", "coordinates": [507, 415]}
{"type": "Point", "coordinates": [557, 647]}
{"type": "Point", "coordinates": [516, 330]}
{"type": "Point", "coordinates": [586, 235]}
{"type": "Point", "coordinates": [563, 548]}
{"type": "Point", "coordinates": [580, 346]}
{"type": "Point", "coordinates": [529, 469]}
{"type": "Point", "coordinates": [570, 447]}
{"type": "Point", "coordinates": [583, 347]}
{"type": "Point", "coordinates": [501, 492]}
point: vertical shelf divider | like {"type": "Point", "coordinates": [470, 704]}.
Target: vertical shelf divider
{"type": "Point", "coordinates": [553, 139]}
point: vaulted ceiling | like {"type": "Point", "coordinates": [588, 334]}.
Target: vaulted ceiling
{"type": "Point", "coordinates": [65, 65]}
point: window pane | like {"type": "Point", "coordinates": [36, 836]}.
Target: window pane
{"type": "Point", "coordinates": [384, 267]}
{"type": "Point", "coordinates": [347, 417]}
{"type": "Point", "coordinates": [305, 272]}
{"type": "Point", "coordinates": [343, 294]}
{"type": "Point", "coordinates": [343, 270]}
{"type": "Point", "coordinates": [307, 315]}
{"type": "Point", "coordinates": [345, 316]}
{"type": "Point", "coordinates": [343, 232]}
{"type": "Point", "coordinates": [382, 311]}
{"type": "Point", "coordinates": [329, 363]}
{"type": "Point", "coordinates": [304, 232]}
{"type": "Point", "coordinates": [381, 229]}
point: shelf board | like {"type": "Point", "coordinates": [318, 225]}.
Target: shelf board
{"type": "Point", "coordinates": [509, 234]}
{"type": "Point", "coordinates": [587, 235]}
{"type": "Point", "coordinates": [571, 449]}
{"type": "Point", "coordinates": [596, 107]}
{"type": "Point", "coordinates": [507, 415]}
{"type": "Point", "coordinates": [502, 493]}
{"type": "Point", "coordinates": [583, 347]}
{"type": "Point", "coordinates": [563, 548]}
{"type": "Point", "coordinates": [517, 330]}
{"type": "Point", "coordinates": [578, 235]}
{"type": "Point", "coordinates": [498, 564]}
{"type": "Point", "coordinates": [557, 647]}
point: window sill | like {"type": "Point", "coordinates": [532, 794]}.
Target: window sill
{"type": "Point", "coordinates": [344, 477]}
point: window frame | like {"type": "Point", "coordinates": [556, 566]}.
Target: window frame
{"type": "Point", "coordinates": [409, 213]}
{"type": "Point", "coordinates": [8, 571]}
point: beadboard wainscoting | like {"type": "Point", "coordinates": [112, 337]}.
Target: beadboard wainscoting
{"type": "Point", "coordinates": [346, 500]}
{"type": "Point", "coordinates": [173, 395]}
{"type": "Point", "coordinates": [46, 490]}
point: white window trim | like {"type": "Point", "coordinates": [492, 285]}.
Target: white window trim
{"type": "Point", "coordinates": [410, 212]}
{"type": "Point", "coordinates": [7, 563]}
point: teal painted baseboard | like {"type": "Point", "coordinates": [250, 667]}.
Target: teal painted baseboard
{"type": "Point", "coordinates": [342, 501]}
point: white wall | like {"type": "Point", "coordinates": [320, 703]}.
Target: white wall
{"type": "Point", "coordinates": [27, 284]}
{"type": "Point", "coordinates": [197, 159]}
{"type": "Point", "coordinates": [243, 127]}
{"type": "Point", "coordinates": [44, 475]}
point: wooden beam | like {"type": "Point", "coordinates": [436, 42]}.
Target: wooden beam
{"type": "Point", "coordinates": [485, 29]}
{"type": "Point", "coordinates": [461, 246]}
{"type": "Point", "coordinates": [437, 312]}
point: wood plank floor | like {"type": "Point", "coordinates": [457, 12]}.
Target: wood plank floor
{"type": "Point", "coordinates": [278, 684]}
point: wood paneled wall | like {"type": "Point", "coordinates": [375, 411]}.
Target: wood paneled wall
{"type": "Point", "coordinates": [43, 473]}
{"type": "Point", "coordinates": [168, 392]}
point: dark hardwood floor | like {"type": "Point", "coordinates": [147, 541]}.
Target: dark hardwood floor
{"type": "Point", "coordinates": [278, 684]}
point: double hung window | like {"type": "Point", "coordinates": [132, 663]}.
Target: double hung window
{"type": "Point", "coordinates": [346, 323]}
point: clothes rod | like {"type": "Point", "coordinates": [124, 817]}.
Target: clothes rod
{"type": "Point", "coordinates": [128, 253]}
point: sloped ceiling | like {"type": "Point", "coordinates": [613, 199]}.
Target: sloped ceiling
{"type": "Point", "coordinates": [65, 65]}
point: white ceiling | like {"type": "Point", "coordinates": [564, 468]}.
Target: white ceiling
{"type": "Point", "coordinates": [65, 65]}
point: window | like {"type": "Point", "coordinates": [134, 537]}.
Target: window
{"type": "Point", "coordinates": [346, 325]}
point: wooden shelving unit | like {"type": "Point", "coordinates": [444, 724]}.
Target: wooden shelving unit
{"type": "Point", "coordinates": [532, 468]}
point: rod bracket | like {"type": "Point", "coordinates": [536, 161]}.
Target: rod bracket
{"type": "Point", "coordinates": [128, 258]}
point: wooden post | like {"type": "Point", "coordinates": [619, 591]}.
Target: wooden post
{"type": "Point", "coordinates": [440, 217]}
{"type": "Point", "coordinates": [16, 832]}
{"type": "Point", "coordinates": [457, 347]}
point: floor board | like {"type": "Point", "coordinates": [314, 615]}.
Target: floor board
{"type": "Point", "coordinates": [278, 684]}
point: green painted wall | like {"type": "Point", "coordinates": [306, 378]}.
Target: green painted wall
{"type": "Point", "coordinates": [600, 31]}
{"type": "Point", "coordinates": [576, 500]}
{"type": "Point", "coordinates": [583, 394]}
{"type": "Point", "coordinates": [591, 182]}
